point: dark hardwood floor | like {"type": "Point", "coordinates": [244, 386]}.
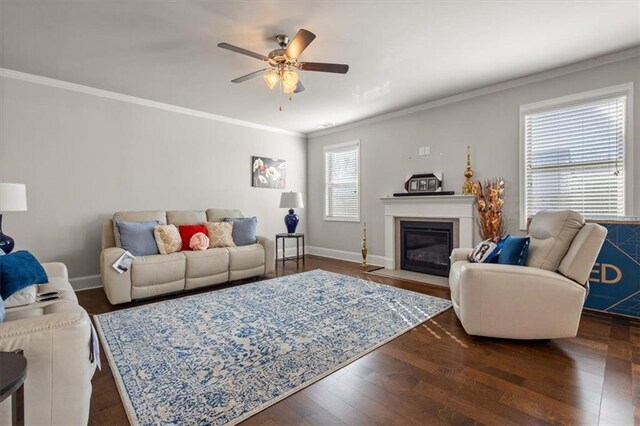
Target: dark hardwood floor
{"type": "Point", "coordinates": [437, 374]}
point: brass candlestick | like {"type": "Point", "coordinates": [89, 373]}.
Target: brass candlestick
{"type": "Point", "coordinates": [467, 186]}
{"type": "Point", "coordinates": [364, 250]}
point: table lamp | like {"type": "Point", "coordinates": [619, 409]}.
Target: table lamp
{"type": "Point", "coordinates": [291, 200]}
{"type": "Point", "coordinates": [13, 198]}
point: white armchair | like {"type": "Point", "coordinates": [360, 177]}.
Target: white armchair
{"type": "Point", "coordinates": [56, 339]}
{"type": "Point", "coordinates": [542, 300]}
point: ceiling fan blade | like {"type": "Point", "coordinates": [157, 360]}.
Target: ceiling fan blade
{"type": "Point", "coordinates": [248, 76]}
{"type": "Point", "coordinates": [324, 67]}
{"type": "Point", "coordinates": [299, 87]}
{"type": "Point", "coordinates": [242, 51]}
{"type": "Point", "coordinates": [301, 40]}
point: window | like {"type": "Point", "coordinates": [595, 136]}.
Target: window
{"type": "Point", "coordinates": [572, 155]}
{"type": "Point", "coordinates": [342, 182]}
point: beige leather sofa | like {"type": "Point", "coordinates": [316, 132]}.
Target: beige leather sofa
{"type": "Point", "coordinates": [167, 273]}
{"type": "Point", "coordinates": [542, 300]}
{"type": "Point", "coordinates": [55, 337]}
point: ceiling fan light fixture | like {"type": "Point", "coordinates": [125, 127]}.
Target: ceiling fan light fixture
{"type": "Point", "coordinates": [288, 88]}
{"type": "Point", "coordinates": [271, 78]}
{"type": "Point", "coordinates": [290, 78]}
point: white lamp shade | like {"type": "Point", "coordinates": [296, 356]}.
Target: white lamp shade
{"type": "Point", "coordinates": [13, 197]}
{"type": "Point", "coordinates": [291, 200]}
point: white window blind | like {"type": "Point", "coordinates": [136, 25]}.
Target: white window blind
{"type": "Point", "coordinates": [574, 158]}
{"type": "Point", "coordinates": [342, 182]}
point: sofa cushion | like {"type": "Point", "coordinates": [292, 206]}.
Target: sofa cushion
{"type": "Point", "coordinates": [246, 257]}
{"type": "Point", "coordinates": [206, 267]}
{"type": "Point", "coordinates": [144, 216]}
{"type": "Point", "coordinates": [137, 237]}
{"type": "Point", "coordinates": [244, 230]}
{"type": "Point", "coordinates": [552, 233]}
{"type": "Point", "coordinates": [158, 269]}
{"type": "Point", "coordinates": [19, 270]}
{"type": "Point", "coordinates": [218, 215]}
{"type": "Point", "coordinates": [220, 234]}
{"type": "Point", "coordinates": [186, 217]}
{"type": "Point", "coordinates": [167, 239]}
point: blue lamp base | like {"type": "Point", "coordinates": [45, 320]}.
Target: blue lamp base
{"type": "Point", "coordinates": [291, 220]}
{"type": "Point", "coordinates": [7, 243]}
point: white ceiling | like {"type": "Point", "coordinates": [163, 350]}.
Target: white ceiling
{"type": "Point", "coordinates": [400, 53]}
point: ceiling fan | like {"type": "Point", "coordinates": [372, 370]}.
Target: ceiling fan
{"type": "Point", "coordinates": [283, 62]}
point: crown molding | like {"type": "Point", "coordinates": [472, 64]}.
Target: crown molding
{"type": "Point", "coordinates": [509, 84]}
{"type": "Point", "coordinates": [45, 81]}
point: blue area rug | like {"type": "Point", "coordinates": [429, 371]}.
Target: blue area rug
{"type": "Point", "coordinates": [222, 356]}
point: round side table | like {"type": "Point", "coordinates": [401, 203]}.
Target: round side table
{"type": "Point", "coordinates": [13, 371]}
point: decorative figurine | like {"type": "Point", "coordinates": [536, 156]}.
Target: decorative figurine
{"type": "Point", "coordinates": [364, 250]}
{"type": "Point", "coordinates": [468, 186]}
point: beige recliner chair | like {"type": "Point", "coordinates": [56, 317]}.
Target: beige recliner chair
{"type": "Point", "coordinates": [542, 300]}
{"type": "Point", "coordinates": [55, 337]}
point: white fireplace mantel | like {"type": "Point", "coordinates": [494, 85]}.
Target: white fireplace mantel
{"type": "Point", "coordinates": [459, 207]}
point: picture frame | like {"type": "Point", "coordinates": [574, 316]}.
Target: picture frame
{"type": "Point", "coordinates": [268, 173]}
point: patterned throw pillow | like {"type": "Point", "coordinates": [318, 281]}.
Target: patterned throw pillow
{"type": "Point", "coordinates": [167, 238]}
{"type": "Point", "coordinates": [487, 251]}
{"type": "Point", "coordinates": [220, 234]}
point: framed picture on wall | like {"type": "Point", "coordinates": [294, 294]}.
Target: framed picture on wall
{"type": "Point", "coordinates": [268, 173]}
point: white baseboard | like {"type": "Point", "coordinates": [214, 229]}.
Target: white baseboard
{"type": "Point", "coordinates": [349, 256]}
{"type": "Point", "coordinates": [288, 252]}
{"type": "Point", "coordinates": [86, 283]}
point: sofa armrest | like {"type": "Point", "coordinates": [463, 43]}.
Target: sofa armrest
{"type": "Point", "coordinates": [518, 302]}
{"type": "Point", "coordinates": [269, 253]}
{"type": "Point", "coordinates": [458, 254]}
{"type": "Point", "coordinates": [117, 286]}
{"type": "Point", "coordinates": [56, 269]}
{"type": "Point", "coordinates": [57, 347]}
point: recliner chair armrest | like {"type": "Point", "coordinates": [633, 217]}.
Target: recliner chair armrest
{"type": "Point", "coordinates": [518, 302]}
{"type": "Point", "coordinates": [460, 254]}
{"type": "Point", "coordinates": [269, 253]}
{"type": "Point", "coordinates": [506, 274]}
{"type": "Point", "coordinates": [117, 286]}
{"type": "Point", "coordinates": [56, 269]}
{"type": "Point", "coordinates": [57, 347]}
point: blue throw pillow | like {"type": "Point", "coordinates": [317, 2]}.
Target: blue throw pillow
{"type": "Point", "coordinates": [137, 237]}
{"type": "Point", "coordinates": [19, 270]}
{"type": "Point", "coordinates": [514, 251]}
{"type": "Point", "coordinates": [1, 308]}
{"type": "Point", "coordinates": [244, 230]}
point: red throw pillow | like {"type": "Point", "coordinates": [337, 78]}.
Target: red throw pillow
{"type": "Point", "coordinates": [187, 231]}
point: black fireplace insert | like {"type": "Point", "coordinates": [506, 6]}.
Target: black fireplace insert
{"type": "Point", "coordinates": [425, 246]}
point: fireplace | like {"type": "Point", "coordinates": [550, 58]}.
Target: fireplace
{"type": "Point", "coordinates": [425, 246]}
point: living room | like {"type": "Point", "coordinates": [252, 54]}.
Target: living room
{"type": "Point", "coordinates": [211, 116]}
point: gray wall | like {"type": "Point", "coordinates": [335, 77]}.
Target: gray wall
{"type": "Point", "coordinates": [489, 124]}
{"type": "Point", "coordinates": [84, 157]}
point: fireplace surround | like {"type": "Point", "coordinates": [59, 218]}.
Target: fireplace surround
{"type": "Point", "coordinates": [457, 210]}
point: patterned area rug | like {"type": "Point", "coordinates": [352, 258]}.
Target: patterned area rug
{"type": "Point", "coordinates": [222, 356]}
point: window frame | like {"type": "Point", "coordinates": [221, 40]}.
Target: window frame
{"type": "Point", "coordinates": [626, 90]}
{"type": "Point", "coordinates": [336, 147]}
